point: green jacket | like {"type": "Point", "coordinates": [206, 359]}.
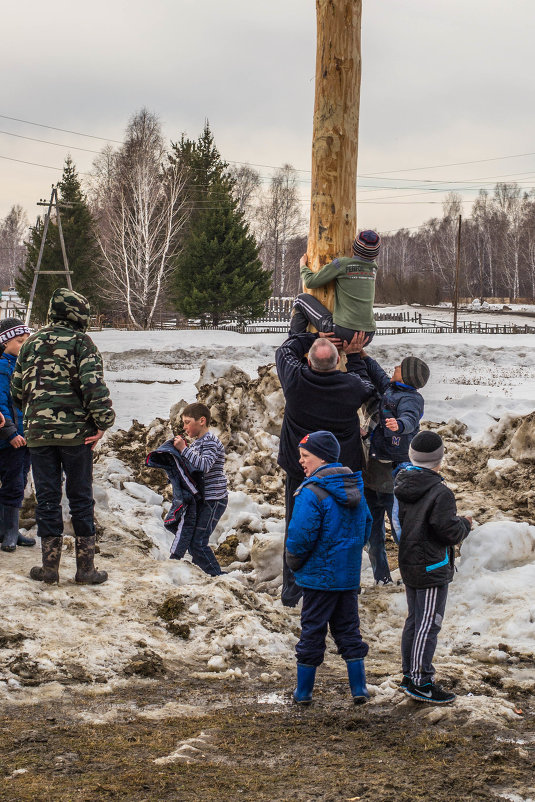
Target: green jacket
{"type": "Point", "coordinates": [354, 290]}
{"type": "Point", "coordinates": [58, 380]}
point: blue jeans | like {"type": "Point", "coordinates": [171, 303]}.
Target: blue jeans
{"type": "Point", "coordinates": [396, 524]}
{"type": "Point", "coordinates": [49, 463]}
{"type": "Point", "coordinates": [14, 467]}
{"type": "Point", "coordinates": [195, 538]}
{"type": "Point", "coordinates": [379, 505]}
{"type": "Point", "coordinates": [338, 609]}
{"type": "Point", "coordinates": [290, 592]}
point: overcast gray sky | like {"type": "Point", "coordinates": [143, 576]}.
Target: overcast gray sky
{"type": "Point", "coordinates": [442, 82]}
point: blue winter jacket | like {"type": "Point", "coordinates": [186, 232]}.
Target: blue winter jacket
{"type": "Point", "coordinates": [13, 415]}
{"type": "Point", "coordinates": [330, 525]}
{"type": "Point", "coordinates": [400, 401]}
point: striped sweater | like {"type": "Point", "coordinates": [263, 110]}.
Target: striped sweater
{"type": "Point", "coordinates": [207, 454]}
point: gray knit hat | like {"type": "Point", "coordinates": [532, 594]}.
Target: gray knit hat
{"type": "Point", "coordinates": [414, 371]}
{"type": "Point", "coordinates": [426, 449]}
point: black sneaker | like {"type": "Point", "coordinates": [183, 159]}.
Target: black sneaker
{"type": "Point", "coordinates": [405, 682]}
{"type": "Point", "coordinates": [386, 581]}
{"type": "Point", "coordinates": [429, 693]}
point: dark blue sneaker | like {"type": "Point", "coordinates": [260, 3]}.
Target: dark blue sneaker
{"type": "Point", "coordinates": [405, 682]}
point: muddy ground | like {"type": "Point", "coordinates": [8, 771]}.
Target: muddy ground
{"type": "Point", "coordinates": [186, 739]}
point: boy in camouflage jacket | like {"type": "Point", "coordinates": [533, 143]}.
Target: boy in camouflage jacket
{"type": "Point", "coordinates": [58, 383]}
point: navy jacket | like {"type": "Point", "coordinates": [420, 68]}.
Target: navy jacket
{"type": "Point", "coordinates": [187, 484]}
{"type": "Point", "coordinates": [316, 401]}
{"type": "Point", "coordinates": [400, 401]}
{"type": "Point", "coordinates": [13, 415]}
{"type": "Point", "coordinates": [430, 528]}
{"type": "Point", "coordinates": [330, 525]}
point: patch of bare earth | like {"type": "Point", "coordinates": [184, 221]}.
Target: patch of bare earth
{"type": "Point", "coordinates": [186, 739]}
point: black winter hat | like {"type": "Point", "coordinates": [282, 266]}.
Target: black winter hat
{"type": "Point", "coordinates": [414, 371]}
{"type": "Point", "coordinates": [323, 444]}
{"type": "Point", "coordinates": [426, 449]}
{"type": "Point", "coordinates": [11, 327]}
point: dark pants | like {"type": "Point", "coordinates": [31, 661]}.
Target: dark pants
{"type": "Point", "coordinates": [380, 504]}
{"type": "Point", "coordinates": [291, 592]}
{"type": "Point", "coordinates": [420, 633]}
{"type": "Point", "coordinates": [14, 467]}
{"type": "Point", "coordinates": [195, 536]}
{"type": "Point", "coordinates": [339, 610]}
{"type": "Point", "coordinates": [48, 465]}
{"type": "Point", "coordinates": [308, 309]}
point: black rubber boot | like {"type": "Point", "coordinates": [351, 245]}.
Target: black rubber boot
{"type": "Point", "coordinates": [86, 573]}
{"type": "Point", "coordinates": [11, 528]}
{"type": "Point", "coordinates": [49, 571]}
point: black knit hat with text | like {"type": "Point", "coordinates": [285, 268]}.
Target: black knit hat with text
{"type": "Point", "coordinates": [11, 327]}
{"type": "Point", "coordinates": [414, 371]}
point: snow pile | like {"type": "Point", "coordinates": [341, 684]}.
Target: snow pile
{"type": "Point", "coordinates": [153, 615]}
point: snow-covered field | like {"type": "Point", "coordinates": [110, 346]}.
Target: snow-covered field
{"type": "Point", "coordinates": [234, 625]}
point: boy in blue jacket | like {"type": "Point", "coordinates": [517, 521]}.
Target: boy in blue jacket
{"type": "Point", "coordinates": [400, 409]}
{"type": "Point", "coordinates": [14, 453]}
{"type": "Point", "coordinates": [329, 527]}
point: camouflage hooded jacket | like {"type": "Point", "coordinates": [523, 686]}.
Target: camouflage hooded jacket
{"type": "Point", "coordinates": [58, 380]}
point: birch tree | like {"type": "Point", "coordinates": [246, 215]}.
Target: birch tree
{"type": "Point", "coordinates": [141, 210]}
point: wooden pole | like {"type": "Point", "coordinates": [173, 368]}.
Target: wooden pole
{"type": "Point", "coordinates": [333, 211]}
{"type": "Point", "coordinates": [457, 272]}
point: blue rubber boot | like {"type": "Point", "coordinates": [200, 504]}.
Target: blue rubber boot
{"type": "Point", "coordinates": [357, 681]}
{"type": "Point", "coordinates": [305, 684]}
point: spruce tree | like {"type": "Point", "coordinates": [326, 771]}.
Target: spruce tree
{"type": "Point", "coordinates": [218, 271]}
{"type": "Point", "coordinates": [80, 245]}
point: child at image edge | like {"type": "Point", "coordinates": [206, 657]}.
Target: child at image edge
{"type": "Point", "coordinates": [207, 454]}
{"type": "Point", "coordinates": [430, 529]}
{"type": "Point", "coordinates": [329, 526]}
{"type": "Point", "coordinates": [14, 453]}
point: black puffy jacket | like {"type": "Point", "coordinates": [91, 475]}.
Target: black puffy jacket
{"type": "Point", "coordinates": [430, 528]}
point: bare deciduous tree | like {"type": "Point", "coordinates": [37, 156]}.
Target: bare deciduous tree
{"type": "Point", "coordinates": [280, 220]}
{"type": "Point", "coordinates": [246, 182]}
{"type": "Point", "coordinates": [12, 249]}
{"type": "Point", "coordinates": [141, 208]}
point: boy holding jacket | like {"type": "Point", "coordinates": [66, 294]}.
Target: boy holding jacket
{"type": "Point", "coordinates": [329, 527]}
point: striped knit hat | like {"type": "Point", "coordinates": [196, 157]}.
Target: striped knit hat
{"type": "Point", "coordinates": [414, 371]}
{"type": "Point", "coordinates": [367, 245]}
{"type": "Point", "coordinates": [426, 449]}
{"type": "Point", "coordinates": [11, 327]}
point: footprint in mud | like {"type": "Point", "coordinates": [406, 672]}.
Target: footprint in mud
{"type": "Point", "coordinates": [192, 749]}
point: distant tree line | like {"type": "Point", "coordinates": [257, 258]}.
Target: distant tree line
{"type": "Point", "coordinates": [497, 257]}
{"type": "Point", "coordinates": [173, 227]}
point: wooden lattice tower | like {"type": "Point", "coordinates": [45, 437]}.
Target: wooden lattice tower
{"type": "Point", "coordinates": [53, 203]}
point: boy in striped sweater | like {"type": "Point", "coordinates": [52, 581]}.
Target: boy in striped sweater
{"type": "Point", "coordinates": [207, 454]}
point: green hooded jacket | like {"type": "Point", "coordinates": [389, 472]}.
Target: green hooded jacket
{"type": "Point", "coordinates": [58, 380]}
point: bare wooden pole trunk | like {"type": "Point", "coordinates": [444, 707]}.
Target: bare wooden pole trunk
{"type": "Point", "coordinates": [333, 214]}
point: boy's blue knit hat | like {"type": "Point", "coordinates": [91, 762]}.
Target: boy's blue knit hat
{"type": "Point", "coordinates": [322, 444]}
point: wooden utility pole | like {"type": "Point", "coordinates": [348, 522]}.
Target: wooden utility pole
{"type": "Point", "coordinates": [333, 214]}
{"type": "Point", "coordinates": [457, 272]}
{"type": "Point", "coordinates": [52, 203]}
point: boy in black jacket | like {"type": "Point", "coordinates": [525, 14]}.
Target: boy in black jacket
{"type": "Point", "coordinates": [430, 529]}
